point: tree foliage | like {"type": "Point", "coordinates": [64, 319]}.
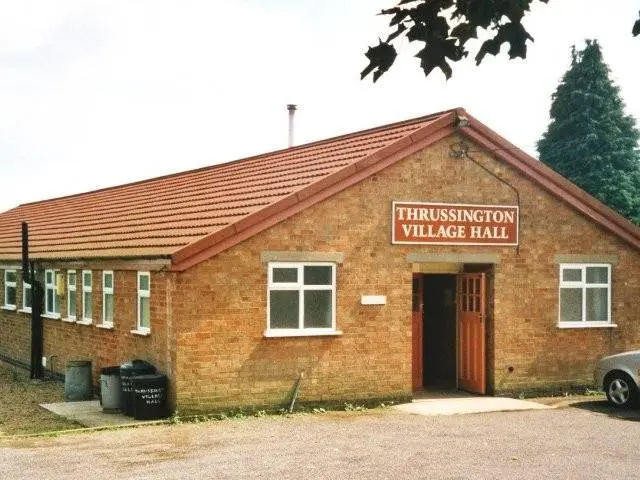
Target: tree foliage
{"type": "Point", "coordinates": [590, 140]}
{"type": "Point", "coordinates": [445, 27]}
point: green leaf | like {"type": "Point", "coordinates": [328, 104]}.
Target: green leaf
{"type": "Point", "coordinates": [464, 32]}
{"type": "Point", "coordinates": [399, 14]}
{"type": "Point", "coordinates": [381, 57]}
{"type": "Point", "coordinates": [514, 34]}
{"type": "Point", "coordinates": [401, 28]}
{"type": "Point", "coordinates": [435, 54]}
{"type": "Point", "coordinates": [418, 32]}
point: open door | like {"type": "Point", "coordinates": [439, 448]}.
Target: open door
{"type": "Point", "coordinates": [417, 318]}
{"type": "Point", "coordinates": [471, 306]}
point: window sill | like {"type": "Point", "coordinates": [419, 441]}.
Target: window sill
{"type": "Point", "coordinates": [51, 316]}
{"type": "Point", "coordinates": [84, 322]}
{"type": "Point", "coordinates": [587, 325]}
{"type": "Point", "coordinates": [68, 320]}
{"type": "Point", "coordinates": [302, 333]}
{"type": "Point", "coordinates": [9, 308]}
{"type": "Point", "coordinates": [105, 326]}
{"type": "Point", "coordinates": [24, 310]}
{"type": "Point", "coordinates": [141, 333]}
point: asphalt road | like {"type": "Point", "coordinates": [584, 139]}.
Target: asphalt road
{"type": "Point", "coordinates": [591, 441]}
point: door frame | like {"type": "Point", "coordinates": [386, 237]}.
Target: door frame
{"type": "Point", "coordinates": [417, 330]}
{"type": "Point", "coordinates": [417, 366]}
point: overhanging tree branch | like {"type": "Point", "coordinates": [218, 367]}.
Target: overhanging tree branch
{"type": "Point", "coordinates": [445, 26]}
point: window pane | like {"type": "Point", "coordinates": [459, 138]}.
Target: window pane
{"type": "Point", "coordinates": [108, 308]}
{"type": "Point", "coordinates": [570, 304]}
{"type": "Point", "coordinates": [572, 275]}
{"type": "Point", "coordinates": [597, 299]}
{"type": "Point", "coordinates": [49, 276]}
{"type": "Point", "coordinates": [145, 314]}
{"type": "Point", "coordinates": [72, 279]}
{"type": "Point", "coordinates": [56, 307]}
{"type": "Point", "coordinates": [10, 276]}
{"type": "Point", "coordinates": [11, 296]}
{"type": "Point", "coordinates": [49, 300]}
{"type": "Point", "coordinates": [284, 308]}
{"type": "Point", "coordinates": [87, 305]}
{"type": "Point", "coordinates": [72, 304]}
{"type": "Point", "coordinates": [317, 309]}
{"type": "Point", "coordinates": [285, 275]}
{"type": "Point", "coordinates": [144, 282]}
{"type": "Point", "coordinates": [108, 281]}
{"type": "Point", "coordinates": [86, 279]}
{"type": "Point", "coordinates": [597, 275]}
{"type": "Point", "coordinates": [317, 276]}
{"type": "Point", "coordinates": [27, 296]}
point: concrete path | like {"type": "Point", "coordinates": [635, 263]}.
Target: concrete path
{"type": "Point", "coordinates": [456, 405]}
{"type": "Point", "coordinates": [89, 413]}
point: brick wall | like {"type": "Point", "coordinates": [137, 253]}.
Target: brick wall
{"type": "Point", "coordinates": [220, 305]}
{"type": "Point", "coordinates": [104, 347]}
{"type": "Point", "coordinates": [107, 347]}
{"type": "Point", "coordinates": [15, 328]}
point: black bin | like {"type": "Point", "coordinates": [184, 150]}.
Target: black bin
{"type": "Point", "coordinates": [149, 396]}
{"type": "Point", "coordinates": [128, 371]}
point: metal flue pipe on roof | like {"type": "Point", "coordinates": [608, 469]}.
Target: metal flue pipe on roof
{"type": "Point", "coordinates": [292, 111]}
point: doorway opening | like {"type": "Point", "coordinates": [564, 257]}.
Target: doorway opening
{"type": "Point", "coordinates": [439, 332]}
{"type": "Point", "coordinates": [449, 331]}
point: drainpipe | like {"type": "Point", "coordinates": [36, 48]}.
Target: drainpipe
{"type": "Point", "coordinates": [29, 276]}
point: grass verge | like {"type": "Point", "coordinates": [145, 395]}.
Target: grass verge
{"type": "Point", "coordinates": [20, 399]}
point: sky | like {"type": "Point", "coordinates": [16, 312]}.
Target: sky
{"type": "Point", "coordinates": [99, 93]}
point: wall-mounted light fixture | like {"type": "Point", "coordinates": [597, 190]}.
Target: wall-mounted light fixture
{"type": "Point", "coordinates": [462, 121]}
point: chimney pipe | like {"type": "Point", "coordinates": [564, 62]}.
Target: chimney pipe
{"type": "Point", "coordinates": [292, 110]}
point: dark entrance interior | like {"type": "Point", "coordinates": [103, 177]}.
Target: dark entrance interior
{"type": "Point", "coordinates": [439, 333]}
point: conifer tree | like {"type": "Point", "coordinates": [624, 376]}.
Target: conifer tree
{"type": "Point", "coordinates": [590, 140]}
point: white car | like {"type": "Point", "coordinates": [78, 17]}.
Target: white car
{"type": "Point", "coordinates": [619, 376]}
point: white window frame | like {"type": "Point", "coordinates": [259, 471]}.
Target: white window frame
{"type": "Point", "coordinates": [50, 289]}
{"type": "Point", "coordinates": [8, 285]}
{"type": "Point", "coordinates": [71, 290]}
{"type": "Point", "coordinates": [85, 289]}
{"type": "Point", "coordinates": [26, 286]}
{"type": "Point", "coordinates": [584, 286]}
{"type": "Point", "coordinates": [107, 291]}
{"type": "Point", "coordinates": [143, 294]}
{"type": "Point", "coordinates": [301, 288]}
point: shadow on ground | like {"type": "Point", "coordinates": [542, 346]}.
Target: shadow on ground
{"type": "Point", "coordinates": [599, 406]}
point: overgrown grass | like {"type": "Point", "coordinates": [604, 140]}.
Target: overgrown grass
{"type": "Point", "coordinates": [20, 399]}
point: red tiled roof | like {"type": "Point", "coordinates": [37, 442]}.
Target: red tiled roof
{"type": "Point", "coordinates": [160, 216]}
{"type": "Point", "coordinates": [191, 216]}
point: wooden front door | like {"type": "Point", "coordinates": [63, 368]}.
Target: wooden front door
{"type": "Point", "coordinates": [471, 306]}
{"type": "Point", "coordinates": [417, 318]}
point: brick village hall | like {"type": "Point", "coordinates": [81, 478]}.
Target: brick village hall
{"type": "Point", "coordinates": [422, 254]}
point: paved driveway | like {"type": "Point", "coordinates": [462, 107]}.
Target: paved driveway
{"type": "Point", "coordinates": [587, 442]}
